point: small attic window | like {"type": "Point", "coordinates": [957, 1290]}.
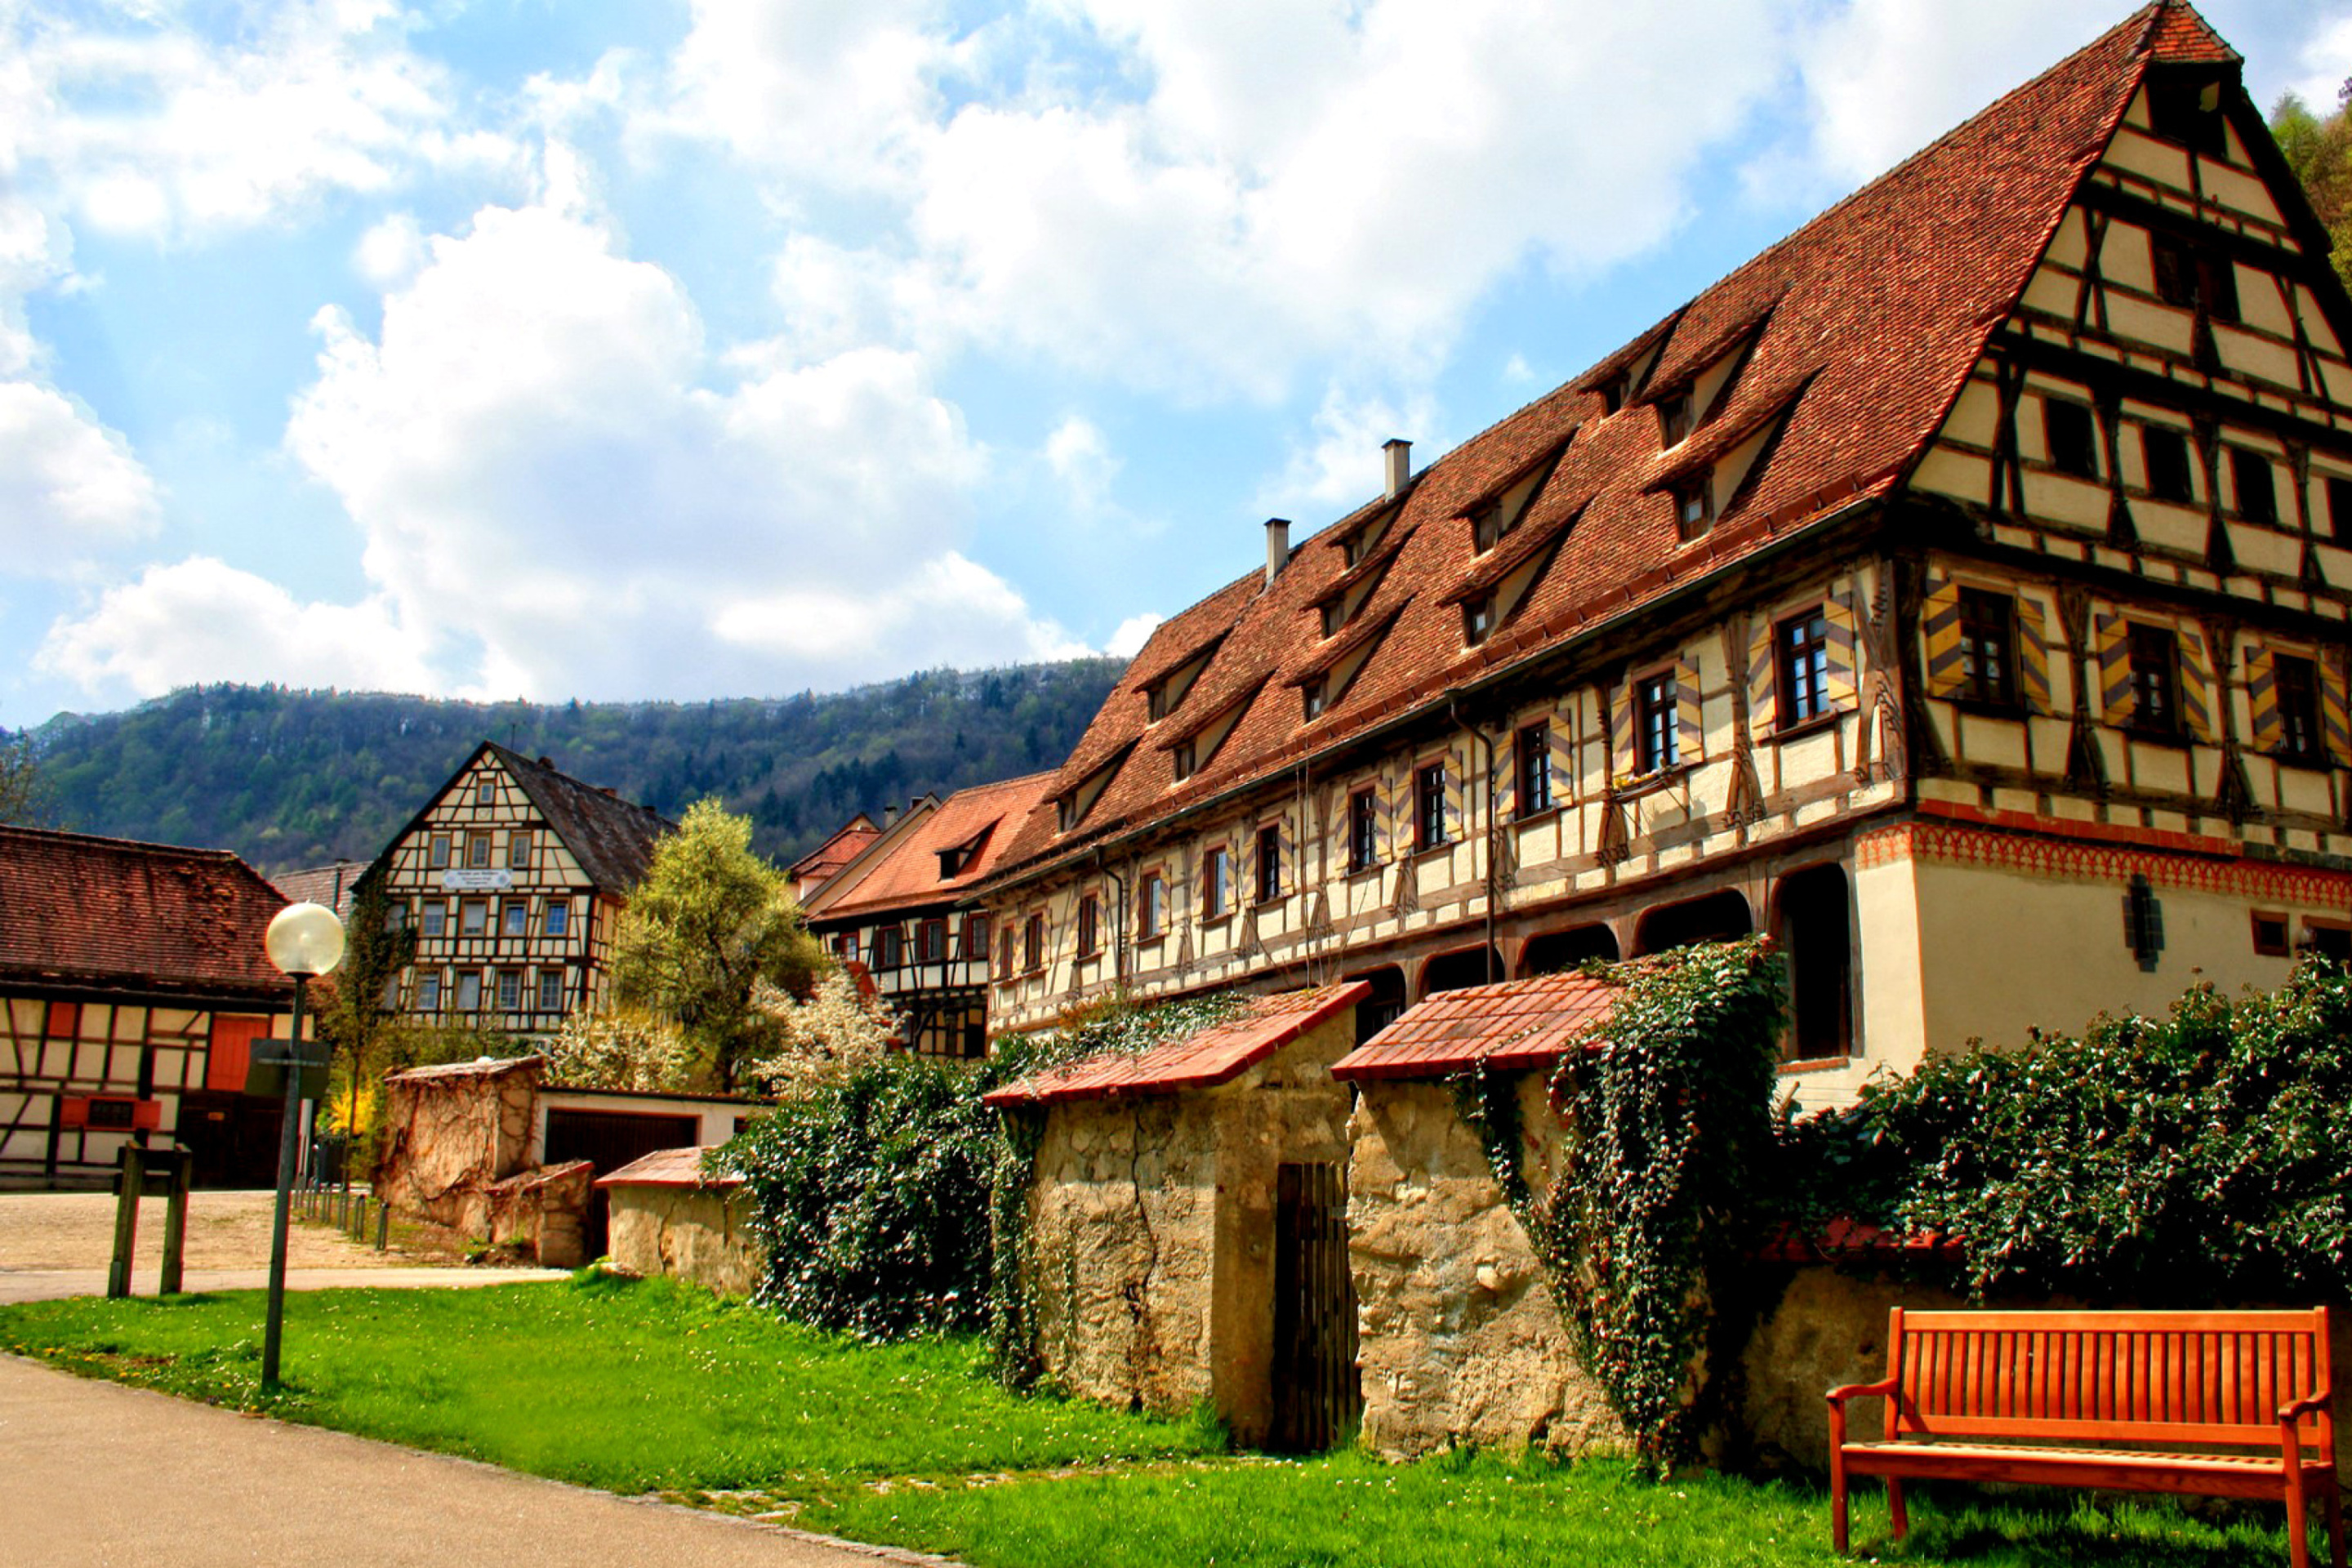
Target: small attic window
{"type": "Point", "coordinates": [1155, 701]}
{"type": "Point", "coordinates": [1065, 812]}
{"type": "Point", "coordinates": [952, 861]}
{"type": "Point", "coordinates": [486, 791]}
{"type": "Point", "coordinates": [1312, 697]}
{"type": "Point", "coordinates": [1335, 616]}
{"type": "Point", "coordinates": [1184, 759]}
{"type": "Point", "coordinates": [1477, 619]}
{"type": "Point", "coordinates": [2188, 112]}
{"type": "Point", "coordinates": [1614, 392]}
{"type": "Point", "coordinates": [2193, 278]}
{"type": "Point", "coordinates": [1694, 506]}
{"type": "Point", "coordinates": [1674, 418]}
{"type": "Point", "coordinates": [1487, 527]}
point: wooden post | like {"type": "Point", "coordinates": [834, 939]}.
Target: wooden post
{"type": "Point", "coordinates": [383, 1223]}
{"type": "Point", "coordinates": [126, 1219]}
{"type": "Point", "coordinates": [175, 1222]}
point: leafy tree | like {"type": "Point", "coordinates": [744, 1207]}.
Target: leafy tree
{"type": "Point", "coordinates": [352, 1016]}
{"type": "Point", "coordinates": [708, 925]}
{"type": "Point", "coordinates": [2320, 152]}
{"type": "Point", "coordinates": [23, 793]}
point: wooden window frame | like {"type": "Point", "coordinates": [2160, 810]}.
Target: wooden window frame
{"type": "Point", "coordinates": [1216, 883]}
{"type": "Point", "coordinates": [1155, 703]}
{"type": "Point", "coordinates": [1268, 843]}
{"type": "Point", "coordinates": [1485, 527]}
{"type": "Point", "coordinates": [460, 983]}
{"type": "Point", "coordinates": [467, 927]}
{"type": "Point", "coordinates": [1657, 722]}
{"type": "Point", "coordinates": [1677, 417]}
{"type": "Point", "coordinates": [2190, 277]}
{"type": "Point", "coordinates": [428, 992]}
{"type": "Point", "coordinates": [1694, 501]}
{"type": "Point", "coordinates": [931, 940]}
{"type": "Point", "coordinates": [557, 919]}
{"type": "Point", "coordinates": [1090, 925]}
{"type": "Point", "coordinates": [1801, 667]}
{"type": "Point", "coordinates": [974, 937]}
{"type": "Point", "coordinates": [1033, 943]}
{"type": "Point", "coordinates": [1151, 905]}
{"type": "Point", "coordinates": [2242, 460]}
{"type": "Point", "coordinates": [1531, 769]}
{"type": "Point", "coordinates": [519, 849]}
{"type": "Point", "coordinates": [2337, 942]}
{"type": "Point", "coordinates": [1363, 831]}
{"type": "Point", "coordinates": [1989, 616]}
{"type": "Point", "coordinates": [2154, 667]}
{"type": "Point", "coordinates": [2172, 441]}
{"type": "Point", "coordinates": [478, 850]}
{"type": "Point", "coordinates": [550, 990]}
{"type": "Point", "coordinates": [1313, 698]}
{"type": "Point", "coordinates": [2301, 737]}
{"type": "Point", "coordinates": [1183, 758]}
{"type": "Point", "coordinates": [514, 918]}
{"type": "Point", "coordinates": [2337, 488]}
{"type": "Point", "coordinates": [438, 852]}
{"type": "Point", "coordinates": [486, 791]}
{"type": "Point", "coordinates": [1478, 619]}
{"type": "Point", "coordinates": [889, 949]}
{"type": "Point", "coordinates": [432, 918]}
{"type": "Point", "coordinates": [510, 979]}
{"type": "Point", "coordinates": [2079, 459]}
{"type": "Point", "coordinates": [2266, 945]}
{"type": "Point", "coordinates": [1429, 824]}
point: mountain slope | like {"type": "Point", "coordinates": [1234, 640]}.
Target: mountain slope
{"type": "Point", "coordinates": [290, 778]}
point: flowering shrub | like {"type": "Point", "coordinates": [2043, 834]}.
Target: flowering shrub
{"type": "Point", "coordinates": [824, 1041]}
{"type": "Point", "coordinates": [628, 1047]}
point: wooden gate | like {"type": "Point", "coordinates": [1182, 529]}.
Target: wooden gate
{"type": "Point", "coordinates": [1317, 1397]}
{"type": "Point", "coordinates": [609, 1139]}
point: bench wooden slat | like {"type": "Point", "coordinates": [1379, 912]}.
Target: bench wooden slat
{"type": "Point", "coordinates": [2062, 1399]}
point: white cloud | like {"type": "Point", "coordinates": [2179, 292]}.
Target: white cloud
{"type": "Point", "coordinates": [561, 494]}
{"type": "Point", "coordinates": [1082, 459]}
{"type": "Point", "coordinates": [2323, 65]}
{"type": "Point", "coordinates": [68, 486]}
{"type": "Point", "coordinates": [201, 620]}
{"type": "Point", "coordinates": [140, 124]}
{"type": "Point", "coordinates": [1203, 197]}
{"type": "Point", "coordinates": [391, 252]}
{"type": "Point", "coordinates": [1344, 462]}
{"type": "Point", "coordinates": [1127, 639]}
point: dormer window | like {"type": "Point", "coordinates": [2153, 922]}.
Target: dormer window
{"type": "Point", "coordinates": [1487, 527]}
{"type": "Point", "coordinates": [1693, 507]}
{"type": "Point", "coordinates": [1674, 418]}
{"type": "Point", "coordinates": [1335, 616]}
{"type": "Point", "coordinates": [952, 861]}
{"type": "Point", "coordinates": [1477, 619]}
{"type": "Point", "coordinates": [1065, 812]}
{"type": "Point", "coordinates": [1614, 392]}
{"type": "Point", "coordinates": [1183, 758]}
{"type": "Point", "coordinates": [1155, 701]}
{"type": "Point", "coordinates": [1312, 697]}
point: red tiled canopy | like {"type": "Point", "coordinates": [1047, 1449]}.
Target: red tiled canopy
{"type": "Point", "coordinates": [1214, 1055]}
{"type": "Point", "coordinates": [1511, 1025]}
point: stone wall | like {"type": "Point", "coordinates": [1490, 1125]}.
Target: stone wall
{"type": "Point", "coordinates": [685, 1231]}
{"type": "Point", "coordinates": [456, 1141]}
{"type": "Point", "coordinates": [1153, 1225]}
{"type": "Point", "coordinates": [1462, 1340]}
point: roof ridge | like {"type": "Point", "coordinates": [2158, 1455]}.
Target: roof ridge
{"type": "Point", "coordinates": [146, 845]}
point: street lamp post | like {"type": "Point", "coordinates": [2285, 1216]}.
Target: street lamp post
{"type": "Point", "coordinates": [304, 940]}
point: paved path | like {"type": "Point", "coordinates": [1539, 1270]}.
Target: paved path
{"type": "Point", "coordinates": [226, 1230]}
{"type": "Point", "coordinates": [50, 1284]}
{"type": "Point", "coordinates": [95, 1474]}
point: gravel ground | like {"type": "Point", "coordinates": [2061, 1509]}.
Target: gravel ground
{"type": "Point", "coordinates": [226, 1230]}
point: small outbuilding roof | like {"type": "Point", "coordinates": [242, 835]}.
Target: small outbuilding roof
{"type": "Point", "coordinates": [669, 1168]}
{"type": "Point", "coordinates": [1510, 1025]}
{"type": "Point", "coordinates": [1216, 1054]}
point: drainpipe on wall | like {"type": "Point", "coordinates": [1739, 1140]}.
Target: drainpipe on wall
{"type": "Point", "coordinates": [1117, 919]}
{"type": "Point", "coordinates": [1486, 829]}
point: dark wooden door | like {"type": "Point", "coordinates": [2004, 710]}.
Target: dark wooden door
{"type": "Point", "coordinates": [609, 1139]}
{"type": "Point", "coordinates": [231, 1138]}
{"type": "Point", "coordinates": [1317, 1397]}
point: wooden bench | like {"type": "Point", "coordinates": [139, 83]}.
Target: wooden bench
{"type": "Point", "coordinates": [2213, 1403]}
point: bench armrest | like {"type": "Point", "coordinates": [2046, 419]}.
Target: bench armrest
{"type": "Point", "coordinates": [1884, 1385]}
{"type": "Point", "coordinates": [2306, 1405]}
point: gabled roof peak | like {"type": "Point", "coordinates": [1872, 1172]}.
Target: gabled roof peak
{"type": "Point", "coordinates": [2179, 36]}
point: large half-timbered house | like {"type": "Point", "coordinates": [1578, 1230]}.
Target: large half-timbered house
{"type": "Point", "coordinates": [897, 910]}
{"type": "Point", "coordinates": [132, 985]}
{"type": "Point", "coordinates": [1958, 591]}
{"type": "Point", "coordinates": [513, 877]}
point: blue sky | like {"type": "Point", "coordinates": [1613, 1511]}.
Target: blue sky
{"type": "Point", "coordinates": [646, 350]}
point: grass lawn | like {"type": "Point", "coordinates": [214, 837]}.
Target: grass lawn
{"type": "Point", "coordinates": [651, 1386]}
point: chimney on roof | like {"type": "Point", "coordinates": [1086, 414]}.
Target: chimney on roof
{"type": "Point", "coordinates": [1277, 547]}
{"type": "Point", "coordinates": [891, 815]}
{"type": "Point", "coordinates": [547, 762]}
{"type": "Point", "coordinates": [1399, 452]}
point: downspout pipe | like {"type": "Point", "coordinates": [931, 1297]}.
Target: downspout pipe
{"type": "Point", "coordinates": [1486, 827]}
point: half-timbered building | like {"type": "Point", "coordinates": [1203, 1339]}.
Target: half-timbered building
{"type": "Point", "coordinates": [1958, 591]}
{"type": "Point", "coordinates": [513, 876]}
{"type": "Point", "coordinates": [132, 985]}
{"type": "Point", "coordinates": [897, 910]}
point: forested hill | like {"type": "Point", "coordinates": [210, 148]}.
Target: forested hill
{"type": "Point", "coordinates": [291, 778]}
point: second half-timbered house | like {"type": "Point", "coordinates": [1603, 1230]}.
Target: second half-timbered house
{"type": "Point", "coordinates": [1958, 591]}
{"type": "Point", "coordinates": [513, 876]}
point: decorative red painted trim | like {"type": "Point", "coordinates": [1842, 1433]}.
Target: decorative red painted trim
{"type": "Point", "coordinates": [2052, 849]}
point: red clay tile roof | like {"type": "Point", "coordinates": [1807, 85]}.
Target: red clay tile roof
{"type": "Point", "coordinates": [903, 871]}
{"type": "Point", "coordinates": [611, 838]}
{"type": "Point", "coordinates": [1866, 322]}
{"type": "Point", "coordinates": [79, 912]}
{"type": "Point", "coordinates": [332, 886]}
{"type": "Point", "coordinates": [667, 1168]}
{"type": "Point", "coordinates": [1214, 1055]}
{"type": "Point", "coordinates": [836, 851]}
{"type": "Point", "coordinates": [1511, 1025]}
